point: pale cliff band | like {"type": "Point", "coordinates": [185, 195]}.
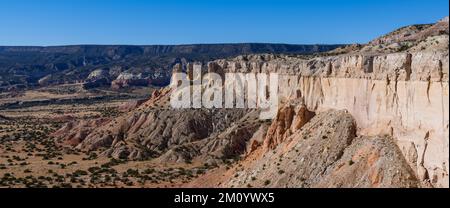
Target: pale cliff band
{"type": "Point", "coordinates": [238, 90]}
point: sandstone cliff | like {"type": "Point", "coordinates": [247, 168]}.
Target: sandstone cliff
{"type": "Point", "coordinates": [403, 95]}
{"type": "Point", "coordinates": [382, 120]}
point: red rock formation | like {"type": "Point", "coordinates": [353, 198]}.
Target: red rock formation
{"type": "Point", "coordinates": [287, 121]}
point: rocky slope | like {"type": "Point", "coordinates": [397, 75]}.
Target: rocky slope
{"type": "Point", "coordinates": [373, 115]}
{"type": "Point", "coordinates": [325, 153]}
{"type": "Point", "coordinates": [153, 130]}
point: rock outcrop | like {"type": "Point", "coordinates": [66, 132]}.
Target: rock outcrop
{"type": "Point", "coordinates": [127, 79]}
{"type": "Point", "coordinates": [288, 120]}
{"type": "Point", "coordinates": [97, 78]}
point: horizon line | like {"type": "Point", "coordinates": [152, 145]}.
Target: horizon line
{"type": "Point", "coordinates": [183, 44]}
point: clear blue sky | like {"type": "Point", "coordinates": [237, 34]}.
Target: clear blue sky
{"type": "Point", "coordinates": [63, 22]}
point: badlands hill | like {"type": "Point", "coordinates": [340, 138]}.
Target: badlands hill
{"type": "Point", "coordinates": [372, 115]}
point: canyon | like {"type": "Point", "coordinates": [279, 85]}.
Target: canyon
{"type": "Point", "coordinates": [364, 115]}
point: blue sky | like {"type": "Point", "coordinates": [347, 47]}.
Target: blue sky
{"type": "Point", "coordinates": [139, 22]}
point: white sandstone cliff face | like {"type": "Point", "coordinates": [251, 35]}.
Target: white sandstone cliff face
{"type": "Point", "coordinates": [404, 95]}
{"type": "Point", "coordinates": [419, 124]}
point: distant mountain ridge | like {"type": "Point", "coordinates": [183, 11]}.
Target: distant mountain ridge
{"type": "Point", "coordinates": [28, 66]}
{"type": "Point", "coordinates": [183, 48]}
